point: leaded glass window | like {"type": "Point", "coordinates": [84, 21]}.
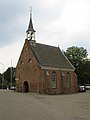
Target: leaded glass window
{"type": "Point", "coordinates": [54, 80]}
{"type": "Point", "coordinates": [68, 79]}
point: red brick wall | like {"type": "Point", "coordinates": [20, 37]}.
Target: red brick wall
{"type": "Point", "coordinates": [28, 69]}
{"type": "Point", "coordinates": [73, 83]}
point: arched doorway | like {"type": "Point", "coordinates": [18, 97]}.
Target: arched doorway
{"type": "Point", "coordinates": [25, 87]}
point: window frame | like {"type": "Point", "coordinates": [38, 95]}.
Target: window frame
{"type": "Point", "coordinates": [68, 79]}
{"type": "Point", "coordinates": [54, 80]}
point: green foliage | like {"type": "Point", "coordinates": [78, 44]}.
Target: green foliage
{"type": "Point", "coordinates": [0, 77]}
{"type": "Point", "coordinates": [7, 78]}
{"type": "Point", "coordinates": [7, 75]}
{"type": "Point", "coordinates": [78, 57]}
{"type": "Point", "coordinates": [4, 86]}
{"type": "Point", "coordinates": [84, 72]}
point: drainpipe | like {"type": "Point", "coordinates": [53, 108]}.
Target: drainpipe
{"type": "Point", "coordinates": [61, 79]}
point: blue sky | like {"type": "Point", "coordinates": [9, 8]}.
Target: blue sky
{"type": "Point", "coordinates": [57, 22]}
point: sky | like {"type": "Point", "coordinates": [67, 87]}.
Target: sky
{"type": "Point", "coordinates": [63, 23]}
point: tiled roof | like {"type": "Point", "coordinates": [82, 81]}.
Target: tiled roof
{"type": "Point", "coordinates": [50, 56]}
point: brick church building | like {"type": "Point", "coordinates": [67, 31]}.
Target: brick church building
{"type": "Point", "coordinates": [43, 68]}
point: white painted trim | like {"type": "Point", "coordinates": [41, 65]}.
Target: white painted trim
{"type": "Point", "coordinates": [55, 68]}
{"type": "Point", "coordinates": [66, 69]}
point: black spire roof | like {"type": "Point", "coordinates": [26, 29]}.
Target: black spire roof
{"type": "Point", "coordinates": [30, 27]}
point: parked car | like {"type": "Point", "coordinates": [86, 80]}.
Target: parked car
{"type": "Point", "coordinates": [13, 88]}
{"type": "Point", "coordinates": [81, 88]}
{"type": "Point", "coordinates": [87, 86]}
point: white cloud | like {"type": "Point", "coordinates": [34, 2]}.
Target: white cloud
{"type": "Point", "coordinates": [57, 22]}
{"type": "Point", "coordinates": [71, 26]}
{"type": "Point", "coordinates": [75, 17]}
{"type": "Point", "coordinates": [10, 52]}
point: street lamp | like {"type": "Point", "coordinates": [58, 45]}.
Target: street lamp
{"type": "Point", "coordinates": [2, 75]}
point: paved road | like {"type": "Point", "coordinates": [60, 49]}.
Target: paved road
{"type": "Point", "coordinates": [22, 106]}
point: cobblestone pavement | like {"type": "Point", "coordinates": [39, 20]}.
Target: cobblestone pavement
{"type": "Point", "coordinates": [29, 106]}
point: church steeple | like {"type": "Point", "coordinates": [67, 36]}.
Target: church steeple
{"type": "Point", "coordinates": [30, 31]}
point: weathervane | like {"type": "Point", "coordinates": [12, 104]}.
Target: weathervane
{"type": "Point", "coordinates": [30, 11]}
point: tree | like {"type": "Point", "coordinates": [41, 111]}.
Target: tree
{"type": "Point", "coordinates": [84, 72]}
{"type": "Point", "coordinates": [7, 75]}
{"type": "Point", "coordinates": [0, 78]}
{"type": "Point", "coordinates": [78, 57]}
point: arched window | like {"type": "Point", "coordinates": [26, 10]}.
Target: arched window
{"type": "Point", "coordinates": [68, 79]}
{"type": "Point", "coordinates": [54, 80]}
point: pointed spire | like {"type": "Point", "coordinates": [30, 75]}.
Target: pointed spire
{"type": "Point", "coordinates": [31, 32]}
{"type": "Point", "coordinates": [30, 27]}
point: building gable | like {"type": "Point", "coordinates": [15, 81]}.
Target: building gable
{"type": "Point", "coordinates": [26, 57]}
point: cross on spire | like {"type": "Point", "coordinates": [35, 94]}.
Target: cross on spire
{"type": "Point", "coordinates": [30, 10]}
